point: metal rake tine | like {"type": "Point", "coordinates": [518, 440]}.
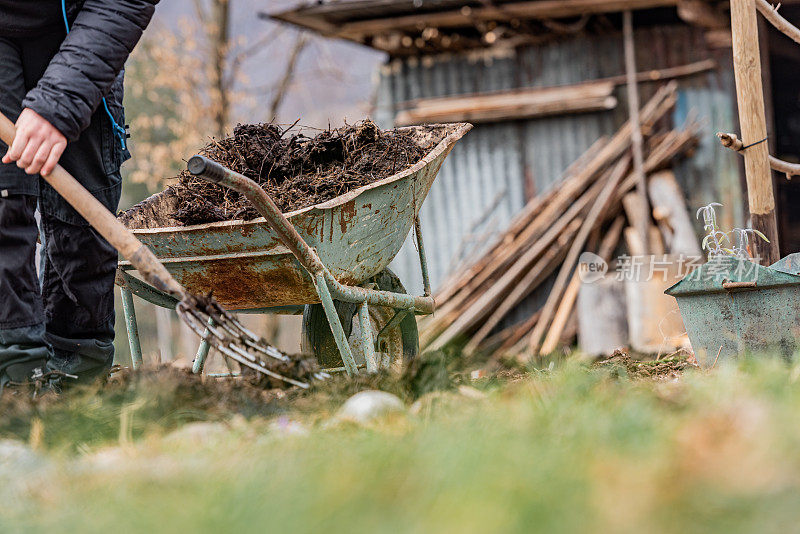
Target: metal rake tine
{"type": "Point", "coordinates": [202, 330]}
{"type": "Point", "coordinates": [228, 319]}
{"type": "Point", "coordinates": [235, 328]}
{"type": "Point", "coordinates": [225, 350]}
{"type": "Point", "coordinates": [270, 351]}
{"type": "Point", "coordinates": [190, 319]}
{"type": "Point", "coordinates": [184, 310]}
{"type": "Point", "coordinates": [240, 326]}
{"type": "Point", "coordinates": [257, 345]}
{"type": "Point", "coordinates": [244, 353]}
{"type": "Point", "coordinates": [254, 342]}
{"type": "Point", "coordinates": [206, 324]}
{"type": "Point", "coordinates": [200, 326]}
{"type": "Point", "coordinates": [223, 323]}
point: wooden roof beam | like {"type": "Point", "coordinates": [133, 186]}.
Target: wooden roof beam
{"type": "Point", "coordinates": [701, 13]}
{"type": "Point", "coordinates": [544, 9]}
{"type": "Point", "coordinates": [512, 105]}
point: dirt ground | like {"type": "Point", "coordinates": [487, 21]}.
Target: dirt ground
{"type": "Point", "coordinates": [296, 170]}
{"type": "Point", "coordinates": [661, 369]}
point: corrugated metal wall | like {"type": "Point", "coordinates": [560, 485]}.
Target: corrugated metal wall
{"type": "Point", "coordinates": [486, 178]}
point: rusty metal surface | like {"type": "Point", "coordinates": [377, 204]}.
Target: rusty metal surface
{"type": "Point", "coordinates": [732, 307]}
{"type": "Point", "coordinates": [355, 235]}
{"type": "Point", "coordinates": [790, 264]}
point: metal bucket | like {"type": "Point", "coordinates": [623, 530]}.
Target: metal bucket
{"type": "Point", "coordinates": [732, 307]}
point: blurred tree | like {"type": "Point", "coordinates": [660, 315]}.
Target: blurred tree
{"type": "Point", "coordinates": [169, 101]}
{"type": "Point", "coordinates": [187, 83]}
{"type": "Point", "coordinates": [217, 26]}
{"type": "Point", "coordinates": [288, 75]}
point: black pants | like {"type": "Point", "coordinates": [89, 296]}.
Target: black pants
{"type": "Point", "coordinates": [65, 315]}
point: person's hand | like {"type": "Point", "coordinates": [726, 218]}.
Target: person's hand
{"type": "Point", "coordinates": [37, 145]}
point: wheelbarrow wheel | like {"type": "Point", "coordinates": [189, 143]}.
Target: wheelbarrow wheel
{"type": "Point", "coordinates": [397, 346]}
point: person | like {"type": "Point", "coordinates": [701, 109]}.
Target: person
{"type": "Point", "coordinates": [61, 76]}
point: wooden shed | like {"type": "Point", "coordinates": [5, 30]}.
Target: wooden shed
{"type": "Point", "coordinates": [544, 79]}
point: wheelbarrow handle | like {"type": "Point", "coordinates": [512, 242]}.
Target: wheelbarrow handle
{"type": "Point", "coordinates": [103, 221]}
{"type": "Point", "coordinates": [211, 170]}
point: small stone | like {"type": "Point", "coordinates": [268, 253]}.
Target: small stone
{"type": "Point", "coordinates": [108, 459]}
{"type": "Point", "coordinates": [368, 406]}
{"type": "Point", "coordinates": [197, 433]}
{"type": "Point", "coordinates": [21, 469]}
{"type": "Point", "coordinates": [17, 458]}
{"type": "Point", "coordinates": [127, 459]}
{"type": "Point", "coordinates": [471, 393]}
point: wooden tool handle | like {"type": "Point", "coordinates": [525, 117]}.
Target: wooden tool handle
{"type": "Point", "coordinates": [102, 220]}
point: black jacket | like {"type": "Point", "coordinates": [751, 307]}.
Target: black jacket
{"type": "Point", "coordinates": [102, 35]}
{"type": "Point", "coordinates": [30, 18]}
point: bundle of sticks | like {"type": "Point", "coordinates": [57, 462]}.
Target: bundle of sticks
{"type": "Point", "coordinates": [583, 213]}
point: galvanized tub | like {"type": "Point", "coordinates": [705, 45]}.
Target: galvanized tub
{"type": "Point", "coordinates": [732, 306]}
{"type": "Point", "coordinates": [247, 267]}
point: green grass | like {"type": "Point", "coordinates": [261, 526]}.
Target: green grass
{"type": "Point", "coordinates": [572, 450]}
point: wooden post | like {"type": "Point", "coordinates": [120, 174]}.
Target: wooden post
{"type": "Point", "coordinates": [642, 225]}
{"type": "Point", "coordinates": [752, 121]}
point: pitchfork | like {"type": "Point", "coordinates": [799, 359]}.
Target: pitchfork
{"type": "Point", "coordinates": [202, 313]}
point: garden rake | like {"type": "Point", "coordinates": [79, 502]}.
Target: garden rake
{"type": "Point", "coordinates": [201, 313]}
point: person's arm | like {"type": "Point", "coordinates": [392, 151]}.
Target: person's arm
{"type": "Point", "coordinates": [61, 106]}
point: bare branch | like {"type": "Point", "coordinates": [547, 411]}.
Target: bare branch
{"type": "Point", "coordinates": [220, 43]}
{"type": "Point", "coordinates": [247, 53]}
{"type": "Point", "coordinates": [733, 142]}
{"type": "Point", "coordinates": [200, 10]}
{"type": "Point", "coordinates": [288, 74]}
{"type": "Point", "coordinates": [258, 45]}
{"type": "Point", "coordinates": [771, 14]}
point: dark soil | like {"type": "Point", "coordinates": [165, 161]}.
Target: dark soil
{"type": "Point", "coordinates": [297, 367]}
{"type": "Point", "coordinates": [297, 171]}
{"type": "Point", "coordinates": [621, 363]}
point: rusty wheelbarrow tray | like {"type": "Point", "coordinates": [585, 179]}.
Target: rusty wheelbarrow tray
{"type": "Point", "coordinates": [249, 268]}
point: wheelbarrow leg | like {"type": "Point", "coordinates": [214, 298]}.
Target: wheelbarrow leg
{"type": "Point", "coordinates": [423, 260]}
{"type": "Point", "coordinates": [202, 351]}
{"type": "Point", "coordinates": [336, 325]}
{"type": "Point", "coordinates": [366, 338]}
{"type": "Point", "coordinates": [132, 328]}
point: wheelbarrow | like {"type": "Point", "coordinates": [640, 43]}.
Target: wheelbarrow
{"type": "Point", "coordinates": [327, 262]}
{"type": "Point", "coordinates": [733, 306]}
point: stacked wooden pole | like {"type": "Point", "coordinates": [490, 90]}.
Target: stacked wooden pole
{"type": "Point", "coordinates": [547, 237]}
